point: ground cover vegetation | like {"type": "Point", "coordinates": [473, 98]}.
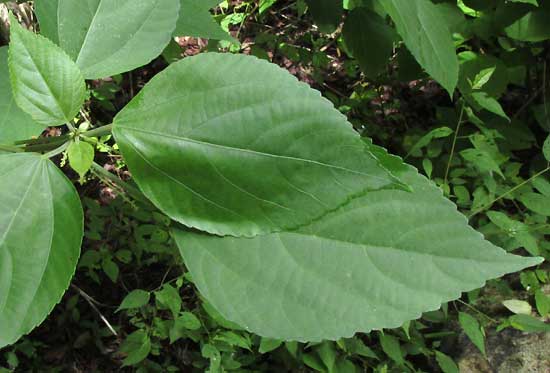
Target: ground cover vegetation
{"type": "Point", "coordinates": [269, 185]}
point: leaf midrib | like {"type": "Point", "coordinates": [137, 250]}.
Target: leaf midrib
{"type": "Point", "coordinates": [249, 151]}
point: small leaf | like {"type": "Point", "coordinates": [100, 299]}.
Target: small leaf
{"type": "Point", "coordinates": [446, 364]}
{"type": "Point", "coordinates": [518, 306]}
{"type": "Point", "coordinates": [543, 303]}
{"type": "Point", "coordinates": [195, 20]}
{"type": "Point", "coordinates": [392, 348]}
{"type": "Point", "coordinates": [483, 77]}
{"type": "Point", "coordinates": [169, 297]}
{"type": "Point", "coordinates": [185, 322]}
{"type": "Point", "coordinates": [473, 330]}
{"type": "Point", "coordinates": [436, 133]}
{"type": "Point", "coordinates": [46, 83]}
{"type": "Point", "coordinates": [536, 202]}
{"type": "Point", "coordinates": [135, 299]}
{"type": "Point", "coordinates": [268, 345]}
{"type": "Point", "coordinates": [234, 339]}
{"type": "Point", "coordinates": [546, 149]}
{"type": "Point", "coordinates": [528, 324]}
{"type": "Point", "coordinates": [81, 157]}
{"type": "Point", "coordinates": [137, 346]}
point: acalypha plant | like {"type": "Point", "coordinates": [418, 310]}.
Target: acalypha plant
{"type": "Point", "coordinates": [290, 224]}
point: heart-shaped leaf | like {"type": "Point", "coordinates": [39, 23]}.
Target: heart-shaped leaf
{"type": "Point", "coordinates": [41, 228]}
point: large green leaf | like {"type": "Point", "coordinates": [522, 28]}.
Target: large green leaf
{"type": "Point", "coordinates": [46, 83]}
{"type": "Point", "coordinates": [15, 124]}
{"type": "Point", "coordinates": [370, 39]}
{"type": "Point", "coordinates": [231, 144]}
{"type": "Point", "coordinates": [41, 228]}
{"type": "Point", "coordinates": [108, 37]}
{"type": "Point", "coordinates": [195, 20]}
{"type": "Point", "coordinates": [377, 262]}
{"type": "Point", "coordinates": [424, 31]}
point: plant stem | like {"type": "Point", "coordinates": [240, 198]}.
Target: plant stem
{"type": "Point", "coordinates": [454, 142]}
{"type": "Point", "coordinates": [98, 132]}
{"type": "Point", "coordinates": [10, 149]}
{"type": "Point", "coordinates": [56, 151]}
{"type": "Point", "coordinates": [508, 192]}
{"type": "Point", "coordinates": [131, 190]}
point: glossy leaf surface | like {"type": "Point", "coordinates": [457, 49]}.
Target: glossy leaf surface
{"type": "Point", "coordinates": [41, 228]}
{"type": "Point", "coordinates": [108, 37]}
{"type": "Point", "coordinates": [233, 145]}
{"type": "Point", "coordinates": [427, 36]}
{"type": "Point", "coordinates": [15, 124]}
{"type": "Point", "coordinates": [46, 83]}
{"type": "Point", "coordinates": [375, 263]}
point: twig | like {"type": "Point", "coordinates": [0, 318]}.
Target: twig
{"type": "Point", "coordinates": [91, 302]}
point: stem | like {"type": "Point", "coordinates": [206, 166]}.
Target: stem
{"type": "Point", "coordinates": [131, 190]}
{"type": "Point", "coordinates": [98, 132]}
{"type": "Point", "coordinates": [10, 149]}
{"type": "Point", "coordinates": [454, 142]}
{"type": "Point", "coordinates": [56, 151]}
{"type": "Point", "coordinates": [508, 192]}
{"type": "Point", "coordinates": [46, 146]}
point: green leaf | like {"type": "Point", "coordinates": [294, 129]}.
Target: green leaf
{"type": "Point", "coordinates": [241, 157]}
{"type": "Point", "coordinates": [15, 124]}
{"type": "Point", "coordinates": [81, 157]}
{"type": "Point", "coordinates": [546, 149]}
{"type": "Point", "coordinates": [370, 39]}
{"type": "Point", "coordinates": [543, 303]}
{"type": "Point", "coordinates": [135, 299]}
{"type": "Point", "coordinates": [375, 263]}
{"type": "Point", "coordinates": [41, 228]}
{"type": "Point", "coordinates": [425, 140]}
{"type": "Point", "coordinates": [169, 297]}
{"type": "Point", "coordinates": [532, 27]}
{"type": "Point", "coordinates": [268, 345]}
{"type": "Point", "coordinates": [326, 14]}
{"type": "Point", "coordinates": [185, 322]}
{"type": "Point", "coordinates": [529, 324]}
{"type": "Point", "coordinates": [427, 37]}
{"type": "Point", "coordinates": [137, 346]}
{"type": "Point", "coordinates": [108, 37]}
{"type": "Point", "coordinates": [195, 20]}
{"type": "Point", "coordinates": [446, 364]}
{"type": "Point", "coordinates": [518, 306]}
{"type": "Point", "coordinates": [536, 202]}
{"type": "Point", "coordinates": [483, 77]}
{"type": "Point", "coordinates": [46, 83]}
{"type": "Point", "coordinates": [390, 345]}
{"type": "Point", "coordinates": [473, 330]}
